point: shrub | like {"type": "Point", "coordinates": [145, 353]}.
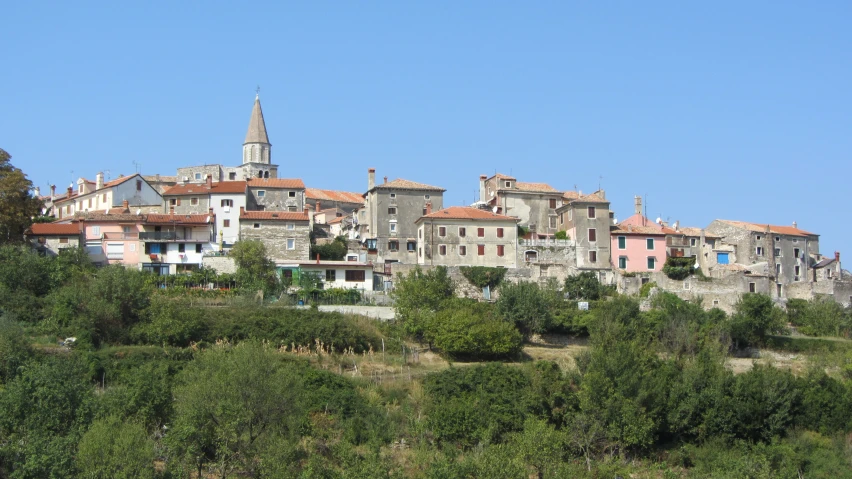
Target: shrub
{"type": "Point", "coordinates": [678, 268]}
{"type": "Point", "coordinates": [470, 330]}
{"type": "Point", "coordinates": [754, 318]}
{"type": "Point", "coordinates": [482, 276]}
{"type": "Point", "coordinates": [334, 251]}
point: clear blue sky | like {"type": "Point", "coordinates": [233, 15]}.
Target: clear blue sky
{"type": "Point", "coordinates": [735, 110]}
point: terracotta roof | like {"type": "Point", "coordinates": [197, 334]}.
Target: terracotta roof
{"type": "Point", "coordinates": [331, 195]}
{"type": "Point", "coordinates": [641, 221]}
{"type": "Point", "coordinates": [637, 230]}
{"type": "Point", "coordinates": [570, 195]}
{"type": "Point", "coordinates": [107, 217]}
{"type": "Point", "coordinates": [336, 220]}
{"type": "Point", "coordinates": [501, 176]}
{"type": "Point", "coordinates": [160, 178]}
{"type": "Point", "coordinates": [775, 229]}
{"type": "Point", "coordinates": [466, 213]}
{"type": "Point", "coordinates": [690, 231]}
{"type": "Point", "coordinates": [273, 215]}
{"type": "Point", "coordinates": [535, 187]}
{"type": "Point", "coordinates": [590, 198]}
{"type": "Point", "coordinates": [187, 189]}
{"type": "Point", "coordinates": [401, 184]}
{"type": "Point", "coordinates": [276, 183]}
{"type": "Point", "coordinates": [118, 181]}
{"type": "Point", "coordinates": [228, 187]}
{"type": "Point", "coordinates": [158, 219]}
{"type": "Point", "coordinates": [46, 229]}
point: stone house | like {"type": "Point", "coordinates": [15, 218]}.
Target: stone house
{"type": "Point", "coordinates": [464, 236]}
{"type": "Point", "coordinates": [786, 250]}
{"type": "Point", "coordinates": [343, 200]}
{"type": "Point", "coordinates": [287, 235]}
{"type": "Point", "coordinates": [386, 225]}
{"type": "Point", "coordinates": [277, 194]}
{"type": "Point", "coordinates": [100, 196]}
{"type": "Point", "coordinates": [188, 198]}
{"type": "Point", "coordinates": [586, 219]}
{"type": "Point", "coordinates": [534, 204]}
{"type": "Point", "coordinates": [176, 243]}
{"type": "Point", "coordinates": [51, 238]}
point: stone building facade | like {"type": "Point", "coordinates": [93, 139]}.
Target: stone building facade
{"type": "Point", "coordinates": [275, 195]}
{"type": "Point", "coordinates": [534, 204]}
{"type": "Point", "coordinates": [587, 220]}
{"type": "Point", "coordinates": [285, 234]}
{"type": "Point", "coordinates": [50, 238]}
{"type": "Point", "coordinates": [462, 236]}
{"type": "Point", "coordinates": [389, 215]}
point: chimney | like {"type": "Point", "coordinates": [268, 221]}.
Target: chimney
{"type": "Point", "coordinates": [52, 192]}
{"type": "Point", "coordinates": [428, 207]}
{"type": "Point", "coordinates": [637, 202]}
{"type": "Point", "coordinates": [371, 179]}
{"type": "Point", "coordinates": [602, 194]}
{"type": "Point", "coordinates": [242, 210]}
{"type": "Point", "coordinates": [209, 181]}
{"type": "Point", "coordinates": [99, 180]}
{"type": "Point", "coordinates": [795, 225]}
{"type": "Point", "coordinates": [69, 192]}
{"type": "Point", "coordinates": [482, 192]}
{"type": "Point", "coordinates": [125, 205]}
{"type": "Point", "coordinates": [386, 180]}
{"type": "Point", "coordinates": [171, 210]}
{"type": "Point", "coordinates": [318, 205]}
{"type": "Point", "coordinates": [837, 268]}
{"type": "Point", "coordinates": [307, 210]}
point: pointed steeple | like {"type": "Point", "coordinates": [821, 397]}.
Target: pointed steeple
{"type": "Point", "coordinates": [257, 127]}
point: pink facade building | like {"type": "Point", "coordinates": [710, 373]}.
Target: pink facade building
{"type": "Point", "coordinates": [638, 245]}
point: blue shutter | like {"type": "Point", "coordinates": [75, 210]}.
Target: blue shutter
{"type": "Point", "coordinates": [722, 258]}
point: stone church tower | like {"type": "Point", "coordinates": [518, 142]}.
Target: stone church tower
{"type": "Point", "coordinates": [257, 151]}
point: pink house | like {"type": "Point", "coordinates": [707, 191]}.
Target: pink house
{"type": "Point", "coordinates": [638, 245]}
{"type": "Point", "coordinates": [112, 237]}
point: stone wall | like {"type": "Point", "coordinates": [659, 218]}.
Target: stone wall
{"type": "Point", "coordinates": [183, 204]}
{"type": "Point", "coordinates": [840, 291]}
{"type": "Point", "coordinates": [409, 205]}
{"type": "Point", "coordinates": [187, 174]}
{"type": "Point", "coordinates": [275, 233]}
{"type": "Point", "coordinates": [220, 264]}
{"type": "Point", "coordinates": [275, 199]}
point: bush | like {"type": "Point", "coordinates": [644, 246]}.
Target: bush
{"type": "Point", "coordinates": [754, 318]}
{"type": "Point", "coordinates": [645, 289]}
{"type": "Point", "coordinates": [678, 268]}
{"type": "Point", "coordinates": [482, 276]}
{"type": "Point", "coordinates": [334, 251]}
{"type": "Point", "coordinates": [470, 330]}
{"type": "Point", "coordinates": [418, 295]}
{"type": "Point", "coordinates": [585, 286]}
{"type": "Point", "coordinates": [527, 306]}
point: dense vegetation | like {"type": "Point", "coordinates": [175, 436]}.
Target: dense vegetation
{"type": "Point", "coordinates": [163, 385]}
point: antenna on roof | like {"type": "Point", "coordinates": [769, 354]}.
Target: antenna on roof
{"type": "Point", "coordinates": [600, 179]}
{"type": "Point", "coordinates": [137, 165]}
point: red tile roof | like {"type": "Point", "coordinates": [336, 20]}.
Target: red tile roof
{"type": "Point", "coordinates": [535, 187]}
{"type": "Point", "coordinates": [690, 231]}
{"type": "Point", "coordinates": [334, 196]}
{"type": "Point", "coordinates": [637, 230]}
{"type": "Point", "coordinates": [47, 229]}
{"type": "Point", "coordinates": [158, 219]}
{"type": "Point", "coordinates": [228, 187]}
{"type": "Point", "coordinates": [467, 213]}
{"type": "Point", "coordinates": [775, 229]}
{"type": "Point", "coordinates": [117, 181]}
{"type": "Point", "coordinates": [276, 183]}
{"type": "Point", "coordinates": [401, 184]}
{"type": "Point", "coordinates": [187, 189]}
{"type": "Point", "coordinates": [273, 215]}
{"type": "Point", "coordinates": [590, 198]}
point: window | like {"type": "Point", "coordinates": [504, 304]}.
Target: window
{"type": "Point", "coordinates": [392, 210]}
{"type": "Point", "coordinates": [796, 252]}
{"type": "Point", "coordinates": [798, 271]}
{"type": "Point", "coordinates": [777, 251]}
{"type": "Point", "coordinates": [593, 234]}
{"type": "Point", "coordinates": [759, 251]}
{"type": "Point", "coordinates": [652, 262]}
{"type": "Point", "coordinates": [777, 239]}
{"type": "Point", "coordinates": [371, 243]}
{"type": "Point", "coordinates": [622, 262]}
{"type": "Point", "coordinates": [462, 232]}
{"type": "Point", "coordinates": [193, 201]}
{"type": "Point", "coordinates": [198, 247]}
{"type": "Point", "coordinates": [103, 199]}
{"type": "Point", "coordinates": [232, 176]}
{"type": "Point", "coordinates": [261, 193]}
{"type": "Point", "coordinates": [393, 245]}
{"type": "Point", "coordinates": [424, 211]}
{"type": "Point", "coordinates": [173, 202]}
{"type": "Point", "coordinates": [499, 232]}
{"type": "Point", "coordinates": [291, 226]}
{"type": "Point", "coordinates": [256, 225]}
{"type": "Point", "coordinates": [61, 240]}
{"type": "Point", "coordinates": [393, 195]}
{"type": "Point", "coordinates": [592, 212]}
{"type": "Point", "coordinates": [500, 250]}
{"type": "Point", "coordinates": [649, 243]}
{"type": "Point", "coordinates": [198, 176]}
{"type": "Point", "coordinates": [138, 185]}
{"type": "Point", "coordinates": [228, 203]}
{"type": "Point", "coordinates": [426, 197]}
{"type": "Point", "coordinates": [393, 226]}
{"type": "Point", "coordinates": [96, 231]}
{"type": "Point", "coordinates": [410, 246]}
{"type": "Point", "coordinates": [693, 241]}
{"type": "Point", "coordinates": [622, 242]}
{"type": "Point", "coordinates": [561, 218]}
{"type": "Point", "coordinates": [480, 249]}
{"type": "Point", "coordinates": [480, 232]}
{"type": "Point", "coordinates": [90, 202]}
{"type": "Point", "coordinates": [226, 223]}
{"type": "Point", "coordinates": [442, 250]}
{"type": "Point", "coordinates": [593, 256]}
{"type": "Point", "coordinates": [291, 194]}
{"type": "Point", "coordinates": [462, 250]}
{"type": "Point", "coordinates": [442, 231]}
{"type": "Point", "coordinates": [778, 269]}
{"type": "Point", "coordinates": [330, 275]}
{"type": "Point", "coordinates": [553, 203]}
{"type": "Point", "coordinates": [420, 233]}
{"type": "Point", "coordinates": [752, 288]}
{"type": "Point", "coordinates": [291, 208]}
{"type": "Point", "coordinates": [355, 275]}
{"type": "Point", "coordinates": [508, 184]}
{"type": "Point", "coordinates": [551, 220]}
{"type": "Point", "coordinates": [722, 258]}
{"type": "Point", "coordinates": [291, 243]}
{"type": "Point", "coordinates": [758, 237]}
{"type": "Point", "coordinates": [287, 273]}
{"type": "Point", "coordinates": [795, 240]}
{"type": "Point", "coordinates": [181, 248]}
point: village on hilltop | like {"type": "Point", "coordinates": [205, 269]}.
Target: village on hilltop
{"type": "Point", "coordinates": [177, 224]}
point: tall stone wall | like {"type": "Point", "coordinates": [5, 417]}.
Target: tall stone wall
{"type": "Point", "coordinates": [274, 234]}
{"type": "Point", "coordinates": [220, 264]}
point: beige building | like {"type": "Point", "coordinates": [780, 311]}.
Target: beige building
{"type": "Point", "coordinates": [463, 236]}
{"type": "Point", "coordinates": [534, 204]}
{"type": "Point", "coordinates": [586, 219]}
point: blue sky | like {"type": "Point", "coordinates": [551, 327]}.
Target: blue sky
{"type": "Point", "coordinates": [735, 110]}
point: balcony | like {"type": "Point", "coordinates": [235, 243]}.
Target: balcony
{"type": "Point", "coordinates": [175, 236]}
{"type": "Point", "coordinates": [121, 236]}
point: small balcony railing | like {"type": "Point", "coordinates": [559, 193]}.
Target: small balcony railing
{"type": "Point", "coordinates": [121, 236]}
{"type": "Point", "coordinates": [175, 236]}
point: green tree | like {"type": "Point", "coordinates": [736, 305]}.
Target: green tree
{"type": "Point", "coordinates": [17, 205]}
{"type": "Point", "coordinates": [469, 329]}
{"type": "Point", "coordinates": [584, 286]}
{"type": "Point", "coordinates": [755, 317]}
{"type": "Point", "coordinates": [527, 306]}
{"type": "Point", "coordinates": [116, 449]}
{"type": "Point", "coordinates": [334, 251]}
{"type": "Point", "coordinates": [418, 295]}
{"type": "Point", "coordinates": [255, 271]}
{"type": "Point", "coordinates": [15, 350]}
{"type": "Point", "coordinates": [228, 401]}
